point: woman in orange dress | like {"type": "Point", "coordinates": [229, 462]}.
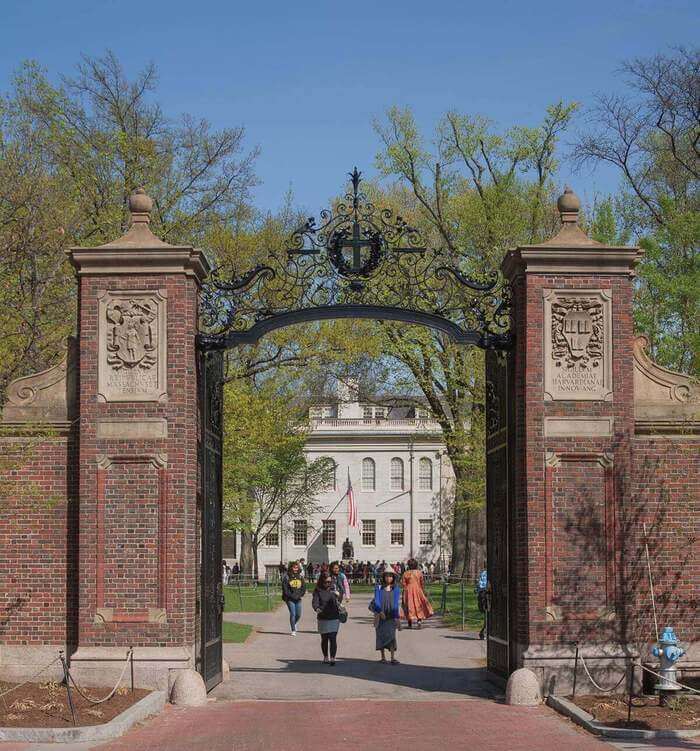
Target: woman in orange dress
{"type": "Point", "coordinates": [416, 606]}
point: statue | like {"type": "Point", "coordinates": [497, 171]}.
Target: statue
{"type": "Point", "coordinates": [348, 549]}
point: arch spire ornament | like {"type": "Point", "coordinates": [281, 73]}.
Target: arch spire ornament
{"type": "Point", "coordinates": [356, 262]}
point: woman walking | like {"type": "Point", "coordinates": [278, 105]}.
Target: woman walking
{"type": "Point", "coordinates": [340, 580]}
{"type": "Point", "coordinates": [293, 591]}
{"type": "Point", "coordinates": [326, 603]}
{"type": "Point", "coordinates": [416, 606]}
{"type": "Point", "coordinates": [387, 617]}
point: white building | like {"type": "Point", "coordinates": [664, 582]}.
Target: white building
{"type": "Point", "coordinates": [402, 483]}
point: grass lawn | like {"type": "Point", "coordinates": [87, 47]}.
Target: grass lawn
{"type": "Point", "coordinates": [236, 633]}
{"type": "Point", "coordinates": [251, 599]}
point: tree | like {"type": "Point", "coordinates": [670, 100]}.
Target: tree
{"type": "Point", "coordinates": [651, 134]}
{"type": "Point", "coordinates": [477, 193]}
{"type": "Point", "coordinates": [70, 155]}
{"type": "Point", "coordinates": [267, 476]}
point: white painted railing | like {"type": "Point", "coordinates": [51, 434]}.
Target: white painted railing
{"type": "Point", "coordinates": [374, 424]}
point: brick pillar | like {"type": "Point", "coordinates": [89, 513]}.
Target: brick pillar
{"type": "Point", "coordinates": [574, 419]}
{"type": "Point", "coordinates": [138, 299]}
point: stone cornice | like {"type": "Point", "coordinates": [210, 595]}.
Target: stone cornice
{"type": "Point", "coordinates": [579, 259]}
{"type": "Point", "coordinates": [166, 259]}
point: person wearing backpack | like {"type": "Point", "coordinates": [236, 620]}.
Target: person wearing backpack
{"type": "Point", "coordinates": [293, 591]}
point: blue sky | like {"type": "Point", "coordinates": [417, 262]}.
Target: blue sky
{"type": "Point", "coordinates": [306, 78]}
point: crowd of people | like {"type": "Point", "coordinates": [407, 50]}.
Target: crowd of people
{"type": "Point", "coordinates": [399, 592]}
{"type": "Point", "coordinates": [369, 572]}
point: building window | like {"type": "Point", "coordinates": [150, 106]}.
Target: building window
{"type": "Point", "coordinates": [425, 532]}
{"type": "Point", "coordinates": [315, 413]}
{"type": "Point", "coordinates": [370, 412]}
{"type": "Point", "coordinates": [368, 474]}
{"type": "Point", "coordinates": [425, 474]}
{"type": "Point", "coordinates": [300, 533]}
{"type": "Point", "coordinates": [328, 535]}
{"type": "Point", "coordinates": [331, 480]}
{"type": "Point", "coordinates": [397, 531]}
{"type": "Point", "coordinates": [396, 473]}
{"type": "Point", "coordinates": [272, 538]}
{"type": "Point", "coordinates": [369, 532]}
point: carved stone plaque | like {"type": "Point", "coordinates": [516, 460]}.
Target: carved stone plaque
{"type": "Point", "coordinates": [132, 346]}
{"type": "Point", "coordinates": [577, 345]}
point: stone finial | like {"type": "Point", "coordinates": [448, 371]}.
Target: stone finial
{"type": "Point", "coordinates": [569, 205]}
{"type": "Point", "coordinates": [140, 206]}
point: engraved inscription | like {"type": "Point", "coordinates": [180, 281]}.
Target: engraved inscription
{"type": "Point", "coordinates": [132, 346]}
{"type": "Point", "coordinates": [578, 345]}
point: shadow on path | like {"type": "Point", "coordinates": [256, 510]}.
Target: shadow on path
{"type": "Point", "coordinates": [462, 681]}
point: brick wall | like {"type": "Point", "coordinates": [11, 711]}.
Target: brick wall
{"type": "Point", "coordinates": [38, 542]}
{"type": "Point", "coordinates": [665, 495]}
{"type": "Point", "coordinates": [138, 520]}
{"type": "Point", "coordinates": [544, 547]}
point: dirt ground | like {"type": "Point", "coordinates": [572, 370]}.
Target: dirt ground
{"type": "Point", "coordinates": [681, 713]}
{"type": "Point", "coordinates": [45, 705]}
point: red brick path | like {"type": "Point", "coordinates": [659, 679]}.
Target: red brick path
{"type": "Point", "coordinates": [474, 725]}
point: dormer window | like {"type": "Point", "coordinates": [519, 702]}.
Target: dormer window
{"type": "Point", "coordinates": [370, 412]}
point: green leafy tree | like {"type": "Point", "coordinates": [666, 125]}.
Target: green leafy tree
{"type": "Point", "coordinates": [70, 155]}
{"type": "Point", "coordinates": [476, 192]}
{"type": "Point", "coordinates": [651, 134]}
{"type": "Point", "coordinates": [267, 477]}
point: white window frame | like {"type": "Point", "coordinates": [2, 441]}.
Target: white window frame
{"type": "Point", "coordinates": [396, 480]}
{"type": "Point", "coordinates": [400, 531]}
{"type": "Point", "coordinates": [332, 485]}
{"type": "Point", "coordinates": [276, 532]}
{"type": "Point", "coordinates": [373, 532]}
{"type": "Point", "coordinates": [425, 480]}
{"type": "Point", "coordinates": [367, 461]}
{"type": "Point", "coordinates": [296, 544]}
{"type": "Point", "coordinates": [430, 529]}
{"type": "Point", "coordinates": [331, 526]}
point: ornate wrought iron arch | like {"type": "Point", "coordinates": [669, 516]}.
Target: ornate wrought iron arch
{"type": "Point", "coordinates": [359, 262]}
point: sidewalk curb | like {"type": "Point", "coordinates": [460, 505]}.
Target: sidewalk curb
{"type": "Point", "coordinates": [146, 707]}
{"type": "Point", "coordinates": [587, 721]}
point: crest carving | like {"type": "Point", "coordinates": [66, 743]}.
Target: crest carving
{"type": "Point", "coordinates": [578, 345]}
{"type": "Point", "coordinates": [577, 332]}
{"type": "Point", "coordinates": [132, 340]}
{"type": "Point", "coordinates": [132, 346]}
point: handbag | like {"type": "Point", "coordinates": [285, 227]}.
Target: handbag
{"type": "Point", "coordinates": [342, 614]}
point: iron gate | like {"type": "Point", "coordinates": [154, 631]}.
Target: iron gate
{"type": "Point", "coordinates": [211, 371]}
{"type": "Point", "coordinates": [498, 485]}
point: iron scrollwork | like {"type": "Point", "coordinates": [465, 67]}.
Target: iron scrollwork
{"type": "Point", "coordinates": [357, 262]}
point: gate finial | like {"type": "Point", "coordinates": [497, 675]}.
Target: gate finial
{"type": "Point", "coordinates": [140, 206]}
{"type": "Point", "coordinates": [569, 205]}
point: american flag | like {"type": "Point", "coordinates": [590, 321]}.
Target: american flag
{"type": "Point", "coordinates": [352, 508]}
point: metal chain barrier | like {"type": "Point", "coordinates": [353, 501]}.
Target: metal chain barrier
{"type": "Point", "coordinates": [600, 688]}
{"type": "Point", "coordinates": [29, 680]}
{"type": "Point", "coordinates": [129, 659]}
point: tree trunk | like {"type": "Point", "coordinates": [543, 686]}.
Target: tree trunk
{"type": "Point", "coordinates": [255, 542]}
{"type": "Point", "coordinates": [247, 553]}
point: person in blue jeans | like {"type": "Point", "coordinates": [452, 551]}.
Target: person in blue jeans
{"type": "Point", "coordinates": [293, 591]}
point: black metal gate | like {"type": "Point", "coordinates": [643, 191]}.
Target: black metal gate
{"type": "Point", "coordinates": [210, 371]}
{"type": "Point", "coordinates": [498, 486]}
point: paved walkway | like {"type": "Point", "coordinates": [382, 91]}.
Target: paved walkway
{"type": "Point", "coordinates": [437, 698]}
{"type": "Point", "coordinates": [436, 663]}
